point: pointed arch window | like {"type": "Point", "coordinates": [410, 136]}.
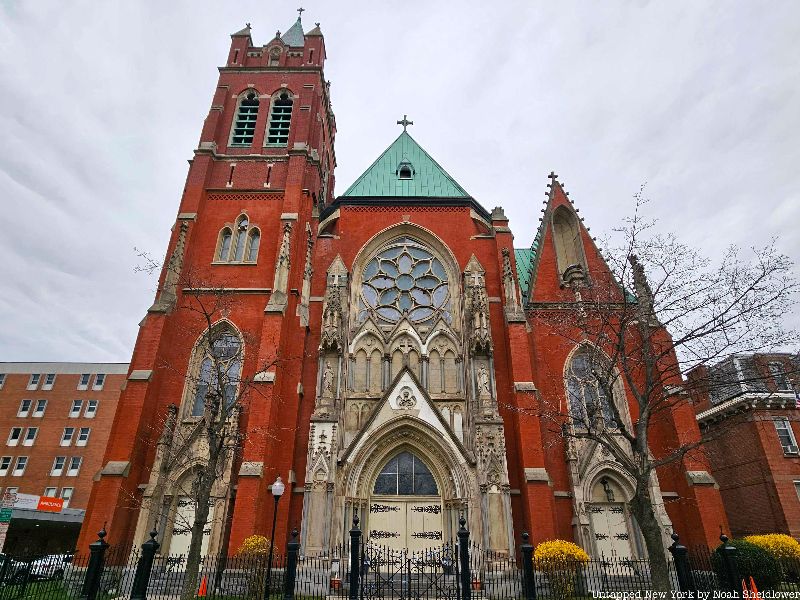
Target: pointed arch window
{"type": "Point", "coordinates": [244, 126]}
{"type": "Point", "coordinates": [217, 375]}
{"type": "Point", "coordinates": [566, 235]}
{"type": "Point", "coordinates": [588, 400]}
{"type": "Point", "coordinates": [280, 118]}
{"type": "Point", "coordinates": [406, 475]}
{"type": "Point", "coordinates": [238, 244]}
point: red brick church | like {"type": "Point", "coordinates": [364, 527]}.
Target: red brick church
{"type": "Point", "coordinates": [409, 357]}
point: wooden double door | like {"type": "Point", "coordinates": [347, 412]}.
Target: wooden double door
{"type": "Point", "coordinates": [612, 535]}
{"type": "Point", "coordinates": [404, 523]}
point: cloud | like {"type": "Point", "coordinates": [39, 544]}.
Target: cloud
{"type": "Point", "coordinates": [102, 103]}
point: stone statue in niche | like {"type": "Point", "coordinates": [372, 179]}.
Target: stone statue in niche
{"type": "Point", "coordinates": [327, 380]}
{"type": "Point", "coordinates": [484, 388]}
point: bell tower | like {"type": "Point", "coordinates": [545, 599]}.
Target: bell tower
{"type": "Point", "coordinates": [246, 224]}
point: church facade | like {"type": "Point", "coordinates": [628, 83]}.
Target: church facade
{"type": "Point", "coordinates": [391, 348]}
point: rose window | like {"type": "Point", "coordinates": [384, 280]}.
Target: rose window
{"type": "Point", "coordinates": [405, 279]}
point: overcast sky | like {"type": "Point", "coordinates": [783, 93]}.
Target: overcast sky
{"type": "Point", "coordinates": [101, 104]}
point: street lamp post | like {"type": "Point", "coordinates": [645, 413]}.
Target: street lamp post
{"type": "Point", "coordinates": [277, 491]}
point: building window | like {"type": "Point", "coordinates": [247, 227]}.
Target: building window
{"type": "Point", "coordinates": [41, 406]}
{"type": "Point", "coordinates": [99, 381]}
{"type": "Point", "coordinates": [5, 464]}
{"type": "Point", "coordinates": [588, 399]}
{"type": "Point", "coordinates": [66, 495]}
{"type": "Point", "coordinates": [49, 492]}
{"type": "Point", "coordinates": [83, 383]}
{"type": "Point", "coordinates": [91, 409]}
{"type": "Point", "coordinates": [406, 475]}
{"type": "Point", "coordinates": [279, 120]}
{"type": "Point", "coordinates": [13, 436]}
{"type": "Point", "coordinates": [49, 380]}
{"type": "Point", "coordinates": [226, 351]}
{"type": "Point", "coordinates": [24, 408]}
{"type": "Point", "coordinates": [239, 245]}
{"type": "Point", "coordinates": [253, 240]}
{"type": "Point", "coordinates": [30, 436]}
{"type": "Point", "coordinates": [244, 126]}
{"type": "Point", "coordinates": [33, 382]}
{"type": "Point", "coordinates": [19, 467]}
{"type": "Point", "coordinates": [83, 436]}
{"type": "Point", "coordinates": [66, 437]}
{"type": "Point", "coordinates": [405, 279]}
{"type": "Point", "coordinates": [2, 380]}
{"type": "Point", "coordinates": [224, 245]}
{"type": "Point", "coordinates": [58, 466]}
{"type": "Point", "coordinates": [74, 466]}
{"type": "Point", "coordinates": [779, 377]}
{"type": "Point", "coordinates": [786, 436]}
{"type": "Point", "coordinates": [405, 170]}
{"type": "Point", "coordinates": [75, 410]}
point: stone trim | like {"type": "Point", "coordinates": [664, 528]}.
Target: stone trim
{"type": "Point", "coordinates": [251, 469]}
{"type": "Point", "coordinates": [264, 377]}
{"type": "Point", "coordinates": [187, 216]}
{"type": "Point", "coordinates": [559, 494]}
{"type": "Point", "coordinates": [116, 468]}
{"type": "Point", "coordinates": [537, 474]}
{"type": "Point", "coordinates": [701, 478]}
{"type": "Point", "coordinates": [524, 386]}
{"type": "Point", "coordinates": [289, 216]}
{"type": "Point", "coordinates": [140, 375]}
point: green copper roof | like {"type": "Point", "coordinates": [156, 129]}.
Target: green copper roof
{"type": "Point", "coordinates": [428, 180]}
{"type": "Point", "coordinates": [524, 258]}
{"type": "Point", "coordinates": [294, 37]}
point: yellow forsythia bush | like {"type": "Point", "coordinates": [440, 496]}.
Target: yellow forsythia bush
{"type": "Point", "coordinates": [253, 552]}
{"type": "Point", "coordinates": [779, 545]}
{"type": "Point", "coordinates": [559, 560]}
{"type": "Point", "coordinates": [254, 544]}
{"type": "Point", "coordinates": [560, 550]}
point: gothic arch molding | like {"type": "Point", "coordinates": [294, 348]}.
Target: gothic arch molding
{"type": "Point", "coordinates": [416, 436]}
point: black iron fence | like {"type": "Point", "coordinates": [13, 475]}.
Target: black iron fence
{"type": "Point", "coordinates": [364, 570]}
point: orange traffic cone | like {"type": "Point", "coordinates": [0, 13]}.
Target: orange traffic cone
{"type": "Point", "coordinates": [753, 588]}
{"type": "Point", "coordinates": [203, 588]}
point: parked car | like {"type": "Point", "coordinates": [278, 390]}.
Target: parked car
{"type": "Point", "coordinates": [51, 566]}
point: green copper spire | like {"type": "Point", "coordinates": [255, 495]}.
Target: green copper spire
{"type": "Point", "coordinates": [405, 170]}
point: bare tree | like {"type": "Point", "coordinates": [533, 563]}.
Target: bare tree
{"type": "Point", "coordinates": [663, 310]}
{"type": "Point", "coordinates": [200, 441]}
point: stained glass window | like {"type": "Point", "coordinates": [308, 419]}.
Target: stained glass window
{"type": "Point", "coordinates": [226, 349]}
{"type": "Point", "coordinates": [405, 279]}
{"type": "Point", "coordinates": [406, 475]}
{"type": "Point", "coordinates": [584, 392]}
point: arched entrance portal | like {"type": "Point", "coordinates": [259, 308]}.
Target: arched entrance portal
{"type": "Point", "coordinates": [405, 508]}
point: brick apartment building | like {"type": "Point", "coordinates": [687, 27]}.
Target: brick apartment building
{"type": "Point", "coordinates": [751, 410]}
{"type": "Point", "coordinates": [55, 420]}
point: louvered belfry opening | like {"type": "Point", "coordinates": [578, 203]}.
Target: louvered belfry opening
{"type": "Point", "coordinates": [245, 127]}
{"type": "Point", "coordinates": [279, 120]}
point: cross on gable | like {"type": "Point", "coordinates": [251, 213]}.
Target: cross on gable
{"type": "Point", "coordinates": [405, 122]}
{"type": "Point", "coordinates": [300, 12]}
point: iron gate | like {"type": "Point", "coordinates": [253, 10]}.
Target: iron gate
{"type": "Point", "coordinates": [432, 573]}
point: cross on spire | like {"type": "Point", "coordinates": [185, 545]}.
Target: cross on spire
{"type": "Point", "coordinates": [405, 122]}
{"type": "Point", "coordinates": [300, 12]}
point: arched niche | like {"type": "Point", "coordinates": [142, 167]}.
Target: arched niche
{"type": "Point", "coordinates": [567, 239]}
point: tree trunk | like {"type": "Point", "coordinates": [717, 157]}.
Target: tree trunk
{"type": "Point", "coordinates": [644, 512]}
{"type": "Point", "coordinates": [202, 495]}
